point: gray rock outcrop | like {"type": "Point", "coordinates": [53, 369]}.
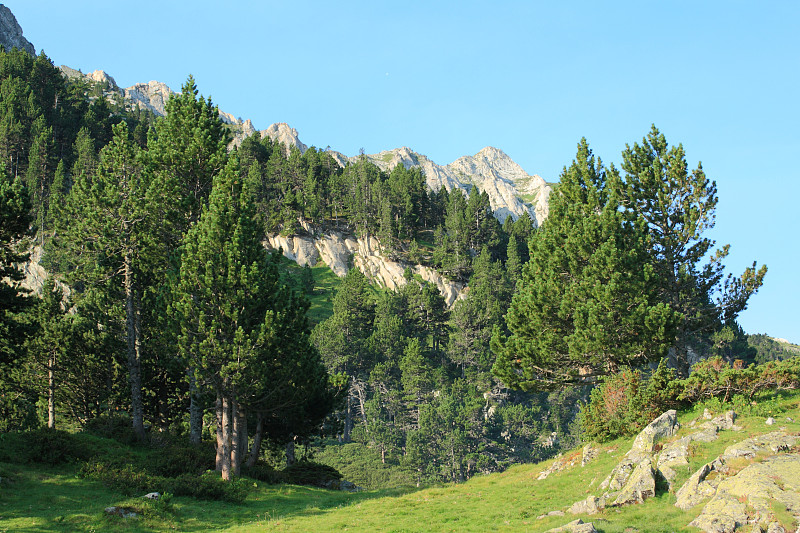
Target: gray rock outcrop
{"type": "Point", "coordinates": [576, 526]}
{"type": "Point", "coordinates": [11, 32]}
{"type": "Point", "coordinates": [340, 252]}
{"type": "Point", "coordinates": [748, 496]}
{"type": "Point", "coordinates": [738, 496]}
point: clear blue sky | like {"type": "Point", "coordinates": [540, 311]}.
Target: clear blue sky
{"type": "Point", "coordinates": [531, 78]}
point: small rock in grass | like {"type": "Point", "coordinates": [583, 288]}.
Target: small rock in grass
{"type": "Point", "coordinates": [770, 421]}
{"type": "Point", "coordinates": [121, 512]}
{"type": "Point", "coordinates": [152, 496]}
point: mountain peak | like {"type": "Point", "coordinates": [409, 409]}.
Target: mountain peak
{"type": "Point", "coordinates": [11, 32]}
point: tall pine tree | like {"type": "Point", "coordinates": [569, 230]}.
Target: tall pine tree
{"type": "Point", "coordinates": [587, 301]}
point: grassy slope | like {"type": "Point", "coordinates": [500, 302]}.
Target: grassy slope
{"type": "Point", "coordinates": [54, 499]}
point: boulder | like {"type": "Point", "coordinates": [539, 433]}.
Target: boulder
{"type": "Point", "coordinates": [576, 526]}
{"type": "Point", "coordinates": [775, 442]}
{"type": "Point", "coordinates": [589, 454]}
{"type": "Point", "coordinates": [589, 506]}
{"type": "Point", "coordinates": [152, 496]}
{"type": "Point", "coordinates": [640, 485]}
{"type": "Point", "coordinates": [122, 512]}
{"type": "Point", "coordinates": [723, 514]}
{"type": "Point", "coordinates": [696, 489]}
{"type": "Point", "coordinates": [662, 427]}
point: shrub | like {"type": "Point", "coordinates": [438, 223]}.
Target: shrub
{"type": "Point", "coordinates": [48, 446]}
{"type": "Point", "coordinates": [129, 479]}
{"type": "Point", "coordinates": [115, 426]}
{"type": "Point", "coordinates": [715, 378]}
{"type": "Point", "coordinates": [263, 472]}
{"type": "Point", "coordinates": [305, 472]}
{"type": "Point", "coordinates": [174, 459]}
{"type": "Point", "coordinates": [626, 402]}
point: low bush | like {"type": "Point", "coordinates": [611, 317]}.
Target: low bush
{"type": "Point", "coordinates": [264, 472]}
{"type": "Point", "coordinates": [47, 446]}
{"type": "Point", "coordinates": [715, 378]}
{"type": "Point", "coordinates": [175, 459]}
{"type": "Point", "coordinates": [116, 426]}
{"type": "Point", "coordinates": [306, 472]}
{"type": "Point", "coordinates": [129, 480]}
{"type": "Point", "coordinates": [626, 402]}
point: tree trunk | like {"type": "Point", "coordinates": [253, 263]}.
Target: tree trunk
{"type": "Point", "coordinates": [256, 449]}
{"type": "Point", "coordinates": [195, 409]}
{"type": "Point", "coordinates": [132, 320]}
{"type": "Point", "coordinates": [360, 392]}
{"type": "Point", "coordinates": [236, 439]}
{"type": "Point", "coordinates": [225, 468]}
{"type": "Point", "coordinates": [348, 419]}
{"type": "Point", "coordinates": [51, 391]}
{"type": "Point", "coordinates": [244, 439]}
{"type": "Point", "coordinates": [218, 409]}
{"type": "Point", "coordinates": [290, 459]}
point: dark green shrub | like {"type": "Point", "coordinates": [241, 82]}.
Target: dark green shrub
{"type": "Point", "coordinates": [115, 426]}
{"type": "Point", "coordinates": [263, 472]}
{"type": "Point", "coordinates": [49, 446]}
{"type": "Point", "coordinates": [126, 479]}
{"type": "Point", "coordinates": [174, 459]}
{"type": "Point", "coordinates": [208, 486]}
{"type": "Point", "coordinates": [129, 480]}
{"type": "Point", "coordinates": [626, 402]}
{"type": "Point", "coordinates": [305, 472]}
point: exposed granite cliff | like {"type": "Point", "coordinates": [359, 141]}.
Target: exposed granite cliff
{"type": "Point", "coordinates": [11, 32]}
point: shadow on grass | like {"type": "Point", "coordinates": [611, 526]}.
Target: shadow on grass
{"type": "Point", "coordinates": [47, 499]}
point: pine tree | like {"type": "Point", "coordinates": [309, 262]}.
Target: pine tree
{"type": "Point", "coordinates": [242, 330]}
{"type": "Point", "coordinates": [52, 342]}
{"type": "Point", "coordinates": [14, 233]}
{"type": "Point", "coordinates": [678, 207]}
{"type": "Point", "coordinates": [186, 149]}
{"type": "Point", "coordinates": [587, 302]}
{"type": "Point", "coordinates": [110, 237]}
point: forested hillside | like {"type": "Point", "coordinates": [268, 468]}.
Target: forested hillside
{"type": "Point", "coordinates": [165, 315]}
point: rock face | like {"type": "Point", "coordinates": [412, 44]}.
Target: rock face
{"type": "Point", "coordinates": [152, 95]}
{"type": "Point", "coordinates": [508, 186]}
{"type": "Point", "coordinates": [340, 252]}
{"type": "Point", "coordinates": [491, 170]}
{"type": "Point", "coordinates": [748, 496]}
{"type": "Point", "coordinates": [11, 32]}
{"type": "Point", "coordinates": [283, 133]}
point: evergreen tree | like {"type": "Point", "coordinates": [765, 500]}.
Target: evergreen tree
{"type": "Point", "coordinates": [587, 302]}
{"type": "Point", "coordinates": [241, 329]}
{"type": "Point", "coordinates": [343, 340]}
{"type": "Point", "coordinates": [678, 207]}
{"type": "Point", "coordinates": [111, 239]}
{"type": "Point", "coordinates": [15, 407]}
{"type": "Point", "coordinates": [52, 342]}
{"type": "Point", "coordinates": [186, 149]}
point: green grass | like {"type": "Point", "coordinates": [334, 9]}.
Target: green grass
{"type": "Point", "coordinates": [325, 285]}
{"type": "Point", "coordinates": [36, 498]}
{"type": "Point", "coordinates": [362, 465]}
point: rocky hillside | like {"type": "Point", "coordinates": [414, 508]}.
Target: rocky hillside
{"type": "Point", "coordinates": [511, 190]}
{"type": "Point", "coordinates": [340, 251]}
{"type": "Point", "coordinates": [11, 32]}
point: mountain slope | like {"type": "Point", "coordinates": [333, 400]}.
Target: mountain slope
{"type": "Point", "coordinates": [511, 190]}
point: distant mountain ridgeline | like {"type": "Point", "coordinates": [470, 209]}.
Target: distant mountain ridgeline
{"type": "Point", "coordinates": [511, 190]}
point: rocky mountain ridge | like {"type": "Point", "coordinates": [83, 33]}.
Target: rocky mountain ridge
{"type": "Point", "coordinates": [511, 190]}
{"type": "Point", "coordinates": [11, 32]}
